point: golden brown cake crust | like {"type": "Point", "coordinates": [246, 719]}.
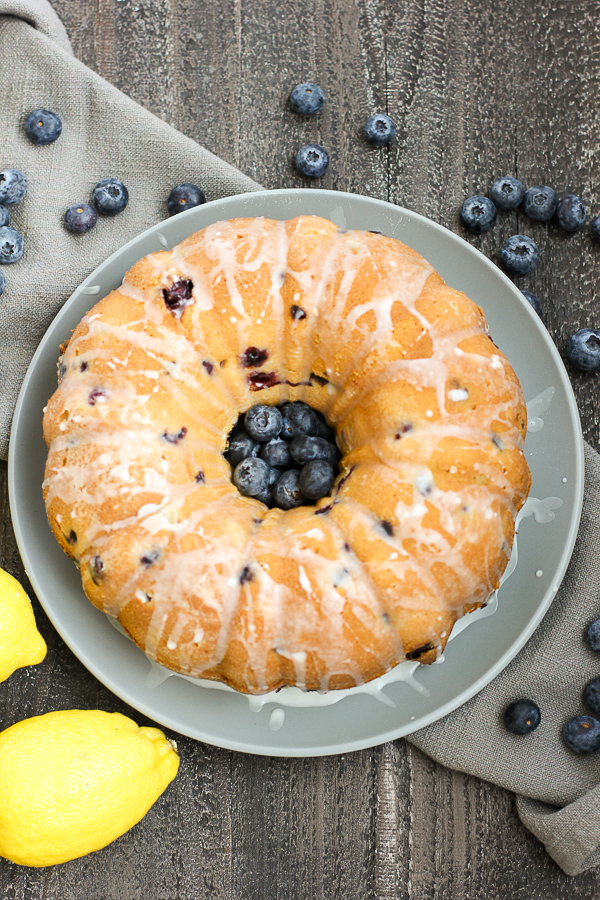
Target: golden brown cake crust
{"type": "Point", "coordinates": [429, 417]}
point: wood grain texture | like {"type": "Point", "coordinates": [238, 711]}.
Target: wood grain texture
{"type": "Point", "coordinates": [478, 88]}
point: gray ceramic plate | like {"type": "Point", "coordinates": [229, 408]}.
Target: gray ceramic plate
{"type": "Point", "coordinates": [472, 659]}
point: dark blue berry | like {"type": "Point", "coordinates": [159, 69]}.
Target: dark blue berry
{"type": "Point", "coordinates": [478, 214]}
{"type": "Point", "coordinates": [507, 192]}
{"type": "Point", "coordinates": [13, 186]}
{"type": "Point", "coordinates": [276, 453]}
{"type": "Point", "coordinates": [519, 254]}
{"type": "Point", "coordinates": [533, 301]}
{"type": "Point", "coordinates": [42, 126]}
{"type": "Point", "coordinates": [298, 418]}
{"type": "Point", "coordinates": [2, 283]}
{"type": "Point", "coordinates": [583, 349]}
{"type": "Point", "coordinates": [316, 479]}
{"type": "Point", "coordinates": [322, 429]}
{"type": "Point", "coordinates": [11, 245]}
{"type": "Point", "coordinates": [110, 197]}
{"type": "Point", "coordinates": [380, 129]}
{"type": "Point", "coordinates": [522, 716]}
{"type": "Point", "coordinates": [80, 218]}
{"type": "Point", "coordinates": [184, 196]}
{"type": "Point", "coordinates": [591, 695]}
{"type": "Point", "coordinates": [596, 228]}
{"type": "Point", "coordinates": [263, 423]}
{"type": "Point", "coordinates": [286, 492]}
{"type": "Point", "coordinates": [312, 160]}
{"type": "Point", "coordinates": [592, 634]}
{"type": "Point", "coordinates": [241, 446]}
{"type": "Point", "coordinates": [582, 734]}
{"type": "Point", "coordinates": [3, 216]}
{"type": "Point", "coordinates": [251, 476]}
{"type": "Point", "coordinates": [178, 297]}
{"type": "Point", "coordinates": [305, 448]}
{"type": "Point", "coordinates": [307, 98]}
{"type": "Point", "coordinates": [570, 213]}
{"type": "Point", "coordinates": [540, 202]}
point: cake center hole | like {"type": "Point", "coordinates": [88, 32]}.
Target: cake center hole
{"type": "Point", "coordinates": [285, 456]}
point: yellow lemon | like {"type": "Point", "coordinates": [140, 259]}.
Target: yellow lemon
{"type": "Point", "coordinates": [21, 644]}
{"type": "Point", "coordinates": [72, 781]}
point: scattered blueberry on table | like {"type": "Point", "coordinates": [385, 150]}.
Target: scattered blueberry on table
{"type": "Point", "coordinates": [312, 160]}
{"type": "Point", "coordinates": [42, 126]}
{"type": "Point", "coordinates": [592, 635]}
{"type": "Point", "coordinates": [582, 734]}
{"type": "Point", "coordinates": [3, 216]}
{"type": "Point", "coordinates": [13, 186]}
{"type": "Point", "coordinates": [519, 254]}
{"type": "Point", "coordinates": [522, 716]}
{"type": "Point", "coordinates": [12, 245]}
{"type": "Point", "coordinates": [583, 349]}
{"type": "Point", "coordinates": [540, 202]}
{"type": "Point", "coordinates": [80, 218]}
{"type": "Point", "coordinates": [110, 197]}
{"type": "Point", "coordinates": [507, 192]}
{"type": "Point", "coordinates": [591, 695]}
{"type": "Point", "coordinates": [478, 214]}
{"type": "Point", "coordinates": [185, 196]}
{"type": "Point", "coordinates": [2, 283]}
{"type": "Point", "coordinates": [571, 213]}
{"type": "Point", "coordinates": [380, 129]}
{"type": "Point", "coordinates": [307, 98]}
{"type": "Point", "coordinates": [596, 228]}
{"type": "Point", "coordinates": [533, 301]}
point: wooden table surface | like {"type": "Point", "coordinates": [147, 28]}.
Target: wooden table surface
{"type": "Point", "coordinates": [478, 89]}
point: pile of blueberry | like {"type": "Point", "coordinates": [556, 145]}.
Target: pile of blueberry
{"type": "Point", "coordinates": [581, 733]}
{"type": "Point", "coordinates": [285, 455]}
{"type": "Point", "coordinates": [312, 159]}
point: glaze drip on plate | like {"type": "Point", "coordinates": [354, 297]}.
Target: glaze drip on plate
{"type": "Point", "coordinates": [429, 419]}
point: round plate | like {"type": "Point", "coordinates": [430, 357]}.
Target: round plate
{"type": "Point", "coordinates": [472, 658]}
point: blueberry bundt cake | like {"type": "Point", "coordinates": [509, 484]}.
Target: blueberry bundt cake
{"type": "Point", "coordinates": [164, 485]}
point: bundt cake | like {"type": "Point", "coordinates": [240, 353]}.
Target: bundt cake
{"type": "Point", "coordinates": [429, 420]}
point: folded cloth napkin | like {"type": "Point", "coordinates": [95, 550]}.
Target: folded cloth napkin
{"type": "Point", "coordinates": [105, 133]}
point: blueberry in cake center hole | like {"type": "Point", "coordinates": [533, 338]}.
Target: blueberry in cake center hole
{"type": "Point", "coordinates": [285, 456]}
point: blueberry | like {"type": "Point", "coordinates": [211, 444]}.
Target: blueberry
{"type": "Point", "coordinates": [316, 479]}
{"type": "Point", "coordinates": [596, 228]}
{"type": "Point", "coordinates": [110, 197]}
{"type": "Point", "coordinates": [592, 634]}
{"type": "Point", "coordinates": [380, 129]}
{"type": "Point", "coordinates": [540, 202]}
{"type": "Point", "coordinates": [80, 218]}
{"type": "Point", "coordinates": [286, 492]}
{"type": "Point", "coordinates": [478, 214]}
{"type": "Point", "coordinates": [11, 245]}
{"type": "Point", "coordinates": [263, 423]}
{"type": "Point", "coordinates": [241, 446]}
{"type": "Point", "coordinates": [184, 196]}
{"type": "Point", "coordinates": [322, 429]}
{"type": "Point", "coordinates": [251, 476]}
{"type": "Point", "coordinates": [276, 453]}
{"type": "Point", "coordinates": [307, 98]}
{"type": "Point", "coordinates": [3, 216]}
{"type": "Point", "coordinates": [305, 448]}
{"type": "Point", "coordinates": [507, 192]}
{"type": "Point", "coordinates": [13, 186]}
{"type": "Point", "coordinates": [591, 695]}
{"type": "Point", "coordinates": [522, 716]}
{"type": "Point", "coordinates": [533, 301]}
{"type": "Point", "coordinates": [42, 126]}
{"type": "Point", "coordinates": [583, 349]}
{"type": "Point", "coordinates": [312, 160]}
{"type": "Point", "coordinates": [582, 734]}
{"type": "Point", "coordinates": [298, 418]}
{"type": "Point", "coordinates": [570, 213]}
{"type": "Point", "coordinates": [519, 254]}
{"type": "Point", "coordinates": [2, 283]}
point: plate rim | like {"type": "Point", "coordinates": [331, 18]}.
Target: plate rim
{"type": "Point", "coordinates": [264, 748]}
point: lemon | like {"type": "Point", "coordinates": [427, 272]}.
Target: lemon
{"type": "Point", "coordinates": [72, 781]}
{"type": "Point", "coordinates": [21, 644]}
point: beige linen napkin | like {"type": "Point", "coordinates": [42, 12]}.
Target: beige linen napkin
{"type": "Point", "coordinates": [105, 133]}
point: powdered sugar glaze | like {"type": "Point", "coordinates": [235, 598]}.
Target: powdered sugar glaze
{"type": "Point", "coordinates": [429, 417]}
